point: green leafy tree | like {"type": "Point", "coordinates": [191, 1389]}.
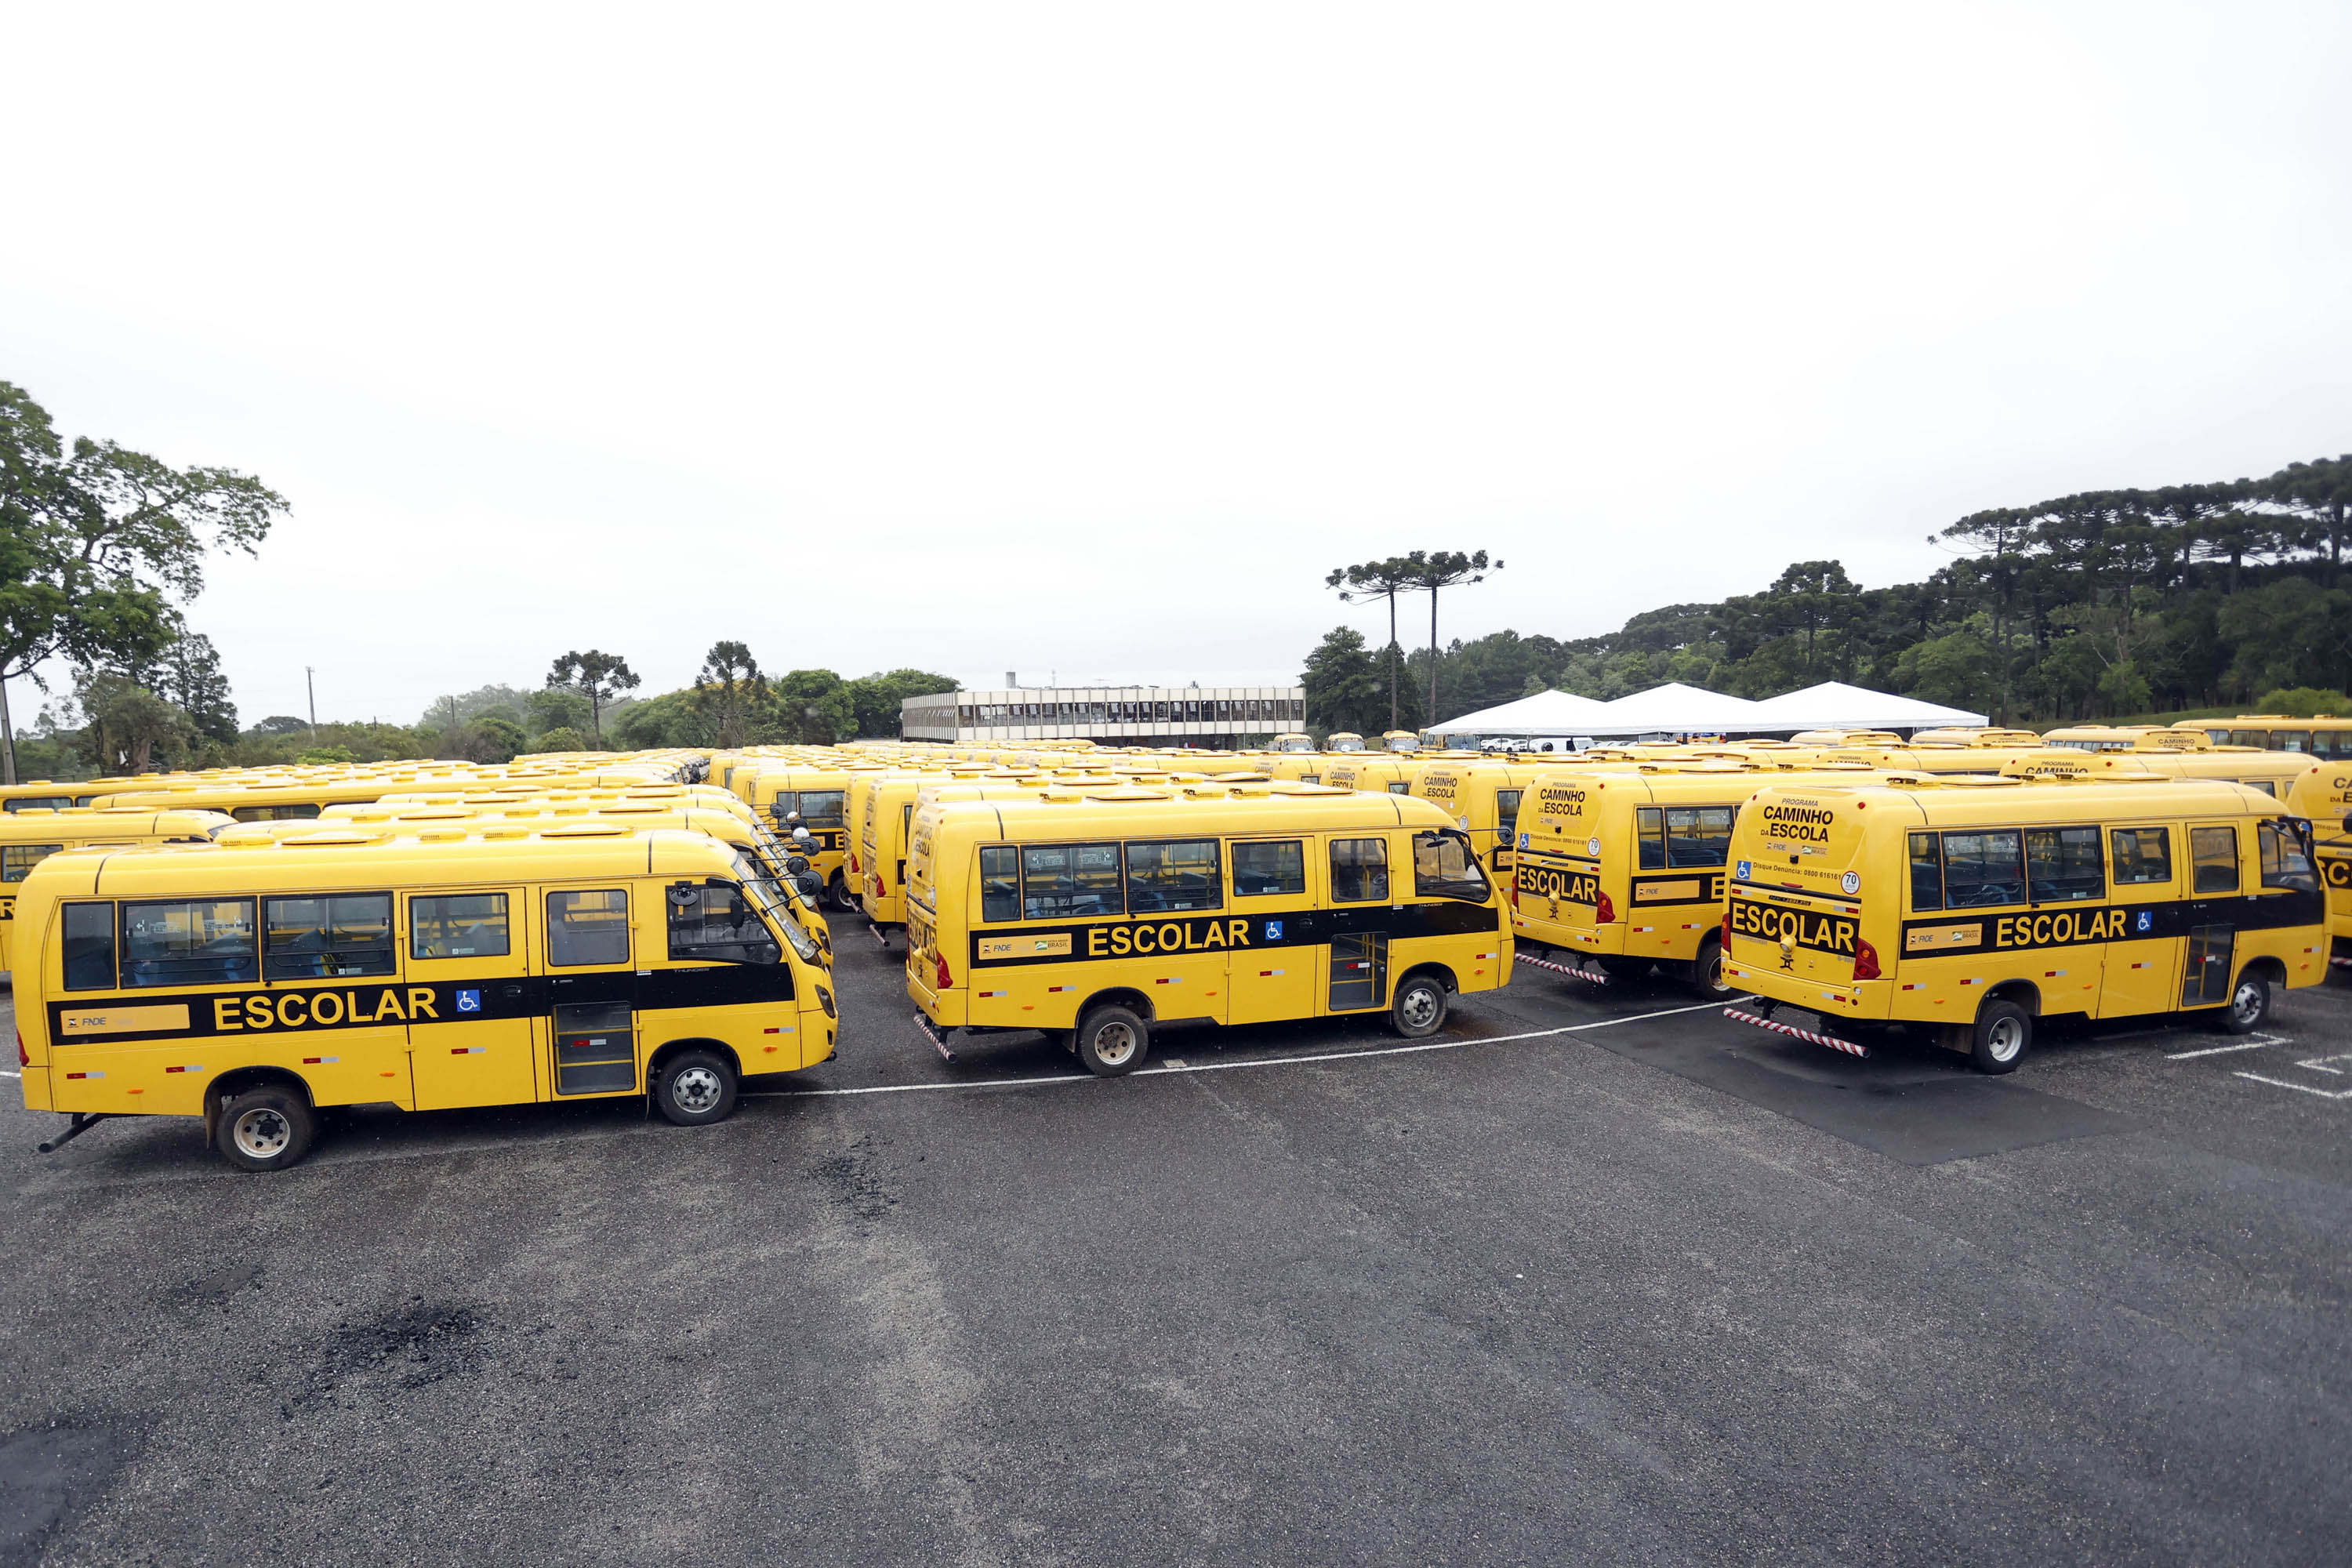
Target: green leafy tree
{"type": "Point", "coordinates": [97, 543]}
{"type": "Point", "coordinates": [562, 739]}
{"type": "Point", "coordinates": [128, 729]}
{"type": "Point", "coordinates": [597, 677]}
{"type": "Point", "coordinates": [188, 676]}
{"type": "Point", "coordinates": [814, 708]}
{"type": "Point", "coordinates": [876, 699]}
{"type": "Point", "coordinates": [1343, 685]}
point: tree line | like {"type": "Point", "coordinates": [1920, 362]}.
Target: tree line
{"type": "Point", "coordinates": [2094, 605]}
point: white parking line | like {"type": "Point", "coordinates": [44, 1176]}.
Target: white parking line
{"type": "Point", "coordinates": [2255, 1043]}
{"type": "Point", "coordinates": [1172, 1068]}
{"type": "Point", "coordinates": [2305, 1088]}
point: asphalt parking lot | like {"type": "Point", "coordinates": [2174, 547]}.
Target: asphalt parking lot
{"type": "Point", "coordinates": [1591, 1277]}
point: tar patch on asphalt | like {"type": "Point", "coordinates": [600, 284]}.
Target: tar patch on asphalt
{"type": "Point", "coordinates": [47, 1476]}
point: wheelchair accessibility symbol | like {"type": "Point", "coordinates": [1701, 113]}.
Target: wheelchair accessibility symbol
{"type": "Point", "coordinates": [1273, 930]}
{"type": "Point", "coordinates": [469, 1001]}
{"type": "Point", "coordinates": [2147, 921]}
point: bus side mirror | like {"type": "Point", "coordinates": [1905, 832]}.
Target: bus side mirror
{"type": "Point", "coordinates": [684, 895]}
{"type": "Point", "coordinates": [2347, 822]}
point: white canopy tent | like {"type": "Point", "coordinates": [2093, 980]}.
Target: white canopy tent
{"type": "Point", "coordinates": [1560, 715]}
{"type": "Point", "coordinates": [1671, 709]}
{"type": "Point", "coordinates": [1834, 705]}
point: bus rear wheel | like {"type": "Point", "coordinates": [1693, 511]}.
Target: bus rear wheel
{"type": "Point", "coordinates": [1707, 971]}
{"type": "Point", "coordinates": [844, 900]}
{"type": "Point", "coordinates": [1113, 1041]}
{"type": "Point", "coordinates": [696, 1088]}
{"type": "Point", "coordinates": [266, 1129]}
{"type": "Point", "coordinates": [2003, 1033]}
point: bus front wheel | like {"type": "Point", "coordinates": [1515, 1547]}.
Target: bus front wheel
{"type": "Point", "coordinates": [266, 1129]}
{"type": "Point", "coordinates": [2249, 1007]}
{"type": "Point", "coordinates": [1113, 1041]}
{"type": "Point", "coordinates": [1419, 1010]}
{"type": "Point", "coordinates": [696, 1087]}
{"type": "Point", "coordinates": [2003, 1032]}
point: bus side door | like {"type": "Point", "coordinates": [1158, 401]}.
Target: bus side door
{"type": "Point", "coordinates": [1364, 870]}
{"type": "Point", "coordinates": [1272, 973]}
{"type": "Point", "coordinates": [2142, 964]}
{"type": "Point", "coordinates": [481, 1043]}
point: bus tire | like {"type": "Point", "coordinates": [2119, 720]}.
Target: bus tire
{"type": "Point", "coordinates": [266, 1129]}
{"type": "Point", "coordinates": [696, 1088]}
{"type": "Point", "coordinates": [844, 900]}
{"type": "Point", "coordinates": [2248, 1007]}
{"type": "Point", "coordinates": [2003, 1033]}
{"type": "Point", "coordinates": [1420, 1007]}
{"type": "Point", "coordinates": [1707, 971]}
{"type": "Point", "coordinates": [1113, 1041]}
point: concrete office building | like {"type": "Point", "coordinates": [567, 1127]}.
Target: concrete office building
{"type": "Point", "coordinates": [1214, 717]}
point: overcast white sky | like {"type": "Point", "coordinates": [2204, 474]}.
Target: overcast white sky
{"type": "Point", "coordinates": [1088, 339]}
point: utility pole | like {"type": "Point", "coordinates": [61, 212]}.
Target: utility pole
{"type": "Point", "coordinates": [312, 688]}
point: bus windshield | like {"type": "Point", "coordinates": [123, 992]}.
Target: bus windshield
{"type": "Point", "coordinates": [760, 887]}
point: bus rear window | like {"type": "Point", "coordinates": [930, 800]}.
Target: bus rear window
{"type": "Point", "coordinates": [1000, 883]}
{"type": "Point", "coordinates": [90, 947]}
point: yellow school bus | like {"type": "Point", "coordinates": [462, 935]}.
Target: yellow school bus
{"type": "Point", "coordinates": [819, 797]}
{"type": "Point", "coordinates": [1625, 870]}
{"type": "Point", "coordinates": [2328, 737]}
{"type": "Point", "coordinates": [1972, 908]}
{"type": "Point", "coordinates": [1484, 800]}
{"type": "Point", "coordinates": [1096, 916]}
{"type": "Point", "coordinates": [2273, 773]}
{"type": "Point", "coordinates": [254, 986]}
{"type": "Point", "coordinates": [1375, 770]}
{"type": "Point", "coordinates": [2323, 795]}
{"type": "Point", "coordinates": [31, 836]}
{"type": "Point", "coordinates": [40, 794]}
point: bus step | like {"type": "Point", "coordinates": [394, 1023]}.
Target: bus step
{"type": "Point", "coordinates": [937, 1038]}
{"type": "Point", "coordinates": [1831, 1041]}
{"type": "Point", "coordinates": [1597, 977]}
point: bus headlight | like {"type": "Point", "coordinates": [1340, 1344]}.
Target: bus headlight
{"type": "Point", "coordinates": [824, 1000]}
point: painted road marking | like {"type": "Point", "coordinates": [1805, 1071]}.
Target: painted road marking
{"type": "Point", "coordinates": [1170, 1068]}
{"type": "Point", "coordinates": [2303, 1088]}
{"type": "Point", "coordinates": [2252, 1043]}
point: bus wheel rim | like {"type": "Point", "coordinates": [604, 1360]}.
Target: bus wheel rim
{"type": "Point", "coordinates": [2006, 1038]}
{"type": "Point", "coordinates": [1420, 1007]}
{"type": "Point", "coordinates": [1114, 1043]}
{"type": "Point", "coordinates": [695, 1090]}
{"type": "Point", "coordinates": [2248, 1003]}
{"type": "Point", "coordinates": [262, 1134]}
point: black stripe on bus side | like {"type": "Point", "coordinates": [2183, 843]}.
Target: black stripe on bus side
{"type": "Point", "coordinates": [362, 1007]}
{"type": "Point", "coordinates": [2072, 925]}
{"type": "Point", "coordinates": [1292, 928]}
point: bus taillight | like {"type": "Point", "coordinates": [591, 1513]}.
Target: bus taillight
{"type": "Point", "coordinates": [946, 980]}
{"type": "Point", "coordinates": [1865, 959]}
{"type": "Point", "coordinates": [1607, 914]}
{"type": "Point", "coordinates": [23, 1057]}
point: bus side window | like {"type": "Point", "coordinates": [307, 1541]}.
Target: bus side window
{"type": "Point", "coordinates": [1983, 868]}
{"type": "Point", "coordinates": [1266, 869]}
{"type": "Point", "coordinates": [1166, 877]}
{"type": "Point", "coordinates": [1927, 873]}
{"type": "Point", "coordinates": [1506, 811]}
{"type": "Point", "coordinates": [2265, 785]}
{"type": "Point", "coordinates": [460, 925]}
{"type": "Point", "coordinates": [1650, 832]}
{"type": "Point", "coordinates": [786, 803]}
{"type": "Point", "coordinates": [2062, 865]}
{"type": "Point", "coordinates": [1699, 835]}
{"type": "Point", "coordinates": [18, 858]}
{"type": "Point", "coordinates": [1000, 883]}
{"type": "Point", "coordinates": [821, 808]}
{"type": "Point", "coordinates": [1444, 867]}
{"type": "Point", "coordinates": [585, 928]}
{"type": "Point", "coordinates": [187, 941]}
{"type": "Point", "coordinates": [2297, 740]}
{"type": "Point", "coordinates": [1360, 871]}
{"type": "Point", "coordinates": [2259, 739]}
{"type": "Point", "coordinates": [90, 947]}
{"type": "Point", "coordinates": [326, 937]}
{"type": "Point", "coordinates": [1069, 881]}
{"type": "Point", "coordinates": [2214, 852]}
{"type": "Point", "coordinates": [2286, 855]}
{"type": "Point", "coordinates": [2142, 854]}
